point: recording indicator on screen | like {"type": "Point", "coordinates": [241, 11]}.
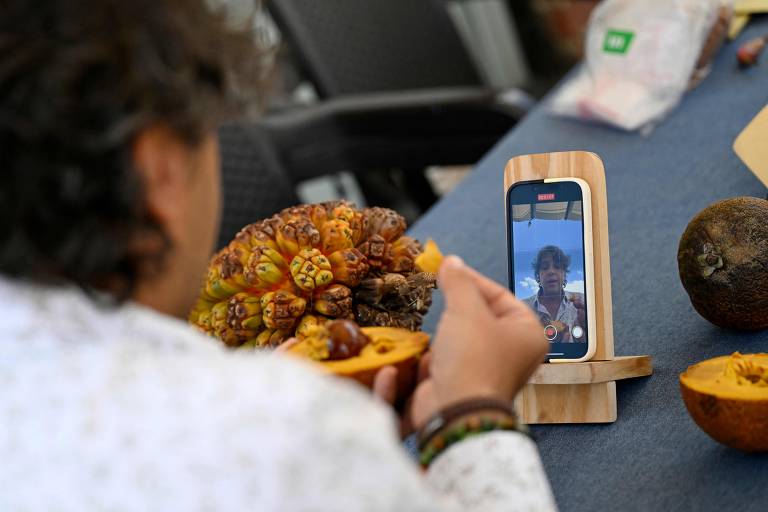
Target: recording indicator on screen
{"type": "Point", "coordinates": [547, 197]}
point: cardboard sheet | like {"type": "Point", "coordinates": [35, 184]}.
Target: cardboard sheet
{"type": "Point", "coordinates": [752, 146]}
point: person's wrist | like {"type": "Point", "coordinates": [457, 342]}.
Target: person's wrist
{"type": "Point", "coordinates": [467, 391]}
{"type": "Point", "coordinates": [462, 420]}
{"type": "Point", "coordinates": [447, 415]}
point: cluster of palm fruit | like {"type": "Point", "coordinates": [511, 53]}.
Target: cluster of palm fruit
{"type": "Point", "coordinates": [309, 264]}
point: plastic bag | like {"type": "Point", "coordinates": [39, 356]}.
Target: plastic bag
{"type": "Point", "coordinates": [639, 57]}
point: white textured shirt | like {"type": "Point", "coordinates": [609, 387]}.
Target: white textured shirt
{"type": "Point", "coordinates": [127, 409]}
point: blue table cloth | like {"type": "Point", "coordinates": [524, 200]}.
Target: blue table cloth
{"type": "Point", "coordinates": [653, 457]}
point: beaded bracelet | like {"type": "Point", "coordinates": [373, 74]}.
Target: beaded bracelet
{"type": "Point", "coordinates": [446, 415]}
{"type": "Point", "coordinates": [433, 437]}
{"type": "Point", "coordinates": [472, 426]}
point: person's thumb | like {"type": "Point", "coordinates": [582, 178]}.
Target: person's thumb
{"type": "Point", "coordinates": [460, 291]}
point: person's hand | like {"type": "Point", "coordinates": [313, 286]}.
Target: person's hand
{"type": "Point", "coordinates": [385, 384]}
{"type": "Point", "coordinates": [385, 387]}
{"type": "Point", "coordinates": [487, 344]}
{"type": "Point", "coordinates": [581, 309]}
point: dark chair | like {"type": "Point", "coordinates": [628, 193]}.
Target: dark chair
{"type": "Point", "coordinates": [404, 92]}
{"type": "Point", "coordinates": [254, 183]}
{"type": "Point", "coordinates": [358, 46]}
{"type": "Point", "coordinates": [263, 161]}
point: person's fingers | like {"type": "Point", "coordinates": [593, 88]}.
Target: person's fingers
{"type": "Point", "coordinates": [459, 288]}
{"type": "Point", "coordinates": [536, 344]}
{"type": "Point", "coordinates": [385, 384]}
{"type": "Point", "coordinates": [499, 298]}
{"type": "Point", "coordinates": [423, 405]}
{"type": "Point", "coordinates": [285, 346]}
{"type": "Point", "coordinates": [424, 367]}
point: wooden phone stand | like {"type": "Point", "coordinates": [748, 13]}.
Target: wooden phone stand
{"type": "Point", "coordinates": [578, 392]}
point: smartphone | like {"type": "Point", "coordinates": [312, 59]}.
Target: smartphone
{"type": "Point", "coordinates": [549, 238]}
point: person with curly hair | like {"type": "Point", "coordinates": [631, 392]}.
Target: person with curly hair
{"type": "Point", "coordinates": [110, 200]}
{"type": "Point", "coordinates": [555, 307]}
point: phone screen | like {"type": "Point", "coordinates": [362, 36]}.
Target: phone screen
{"type": "Point", "coordinates": [546, 264]}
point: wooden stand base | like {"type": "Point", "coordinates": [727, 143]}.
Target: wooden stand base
{"type": "Point", "coordinates": [578, 392]}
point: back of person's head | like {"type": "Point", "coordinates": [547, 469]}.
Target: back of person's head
{"type": "Point", "coordinates": [79, 80]}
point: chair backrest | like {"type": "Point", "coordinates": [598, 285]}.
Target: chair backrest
{"type": "Point", "coordinates": [354, 46]}
{"type": "Point", "coordinates": [253, 183]}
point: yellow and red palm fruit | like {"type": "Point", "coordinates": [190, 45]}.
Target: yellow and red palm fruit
{"type": "Point", "coordinates": [225, 274]}
{"type": "Point", "coordinates": [357, 222]}
{"type": "Point", "coordinates": [377, 252]}
{"type": "Point", "coordinates": [308, 323]}
{"type": "Point", "coordinates": [234, 321]}
{"type": "Point", "coordinates": [244, 312]}
{"type": "Point", "coordinates": [265, 267]}
{"type": "Point", "coordinates": [297, 234]}
{"type": "Point", "coordinates": [282, 309]}
{"type": "Point", "coordinates": [220, 327]}
{"type": "Point", "coordinates": [306, 265]}
{"type": "Point", "coordinates": [271, 337]}
{"type": "Point", "coordinates": [255, 235]}
{"type": "Point", "coordinates": [336, 235]}
{"type": "Point", "coordinates": [293, 212]}
{"type": "Point", "coordinates": [201, 308]}
{"type": "Point", "coordinates": [384, 222]}
{"type": "Point", "coordinates": [403, 253]}
{"type": "Point", "coordinates": [385, 227]}
{"type": "Point", "coordinates": [201, 315]}
{"type": "Point", "coordinates": [318, 214]}
{"type": "Point", "coordinates": [311, 269]}
{"type": "Point", "coordinates": [348, 266]}
{"type": "Point", "coordinates": [334, 301]}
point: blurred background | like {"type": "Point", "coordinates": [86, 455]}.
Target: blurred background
{"type": "Point", "coordinates": [386, 102]}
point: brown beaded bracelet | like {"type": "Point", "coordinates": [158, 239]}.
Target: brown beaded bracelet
{"type": "Point", "coordinates": [471, 426]}
{"type": "Point", "coordinates": [450, 413]}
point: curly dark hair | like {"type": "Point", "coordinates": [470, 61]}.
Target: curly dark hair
{"type": "Point", "coordinates": [79, 79]}
{"type": "Point", "coordinates": [559, 258]}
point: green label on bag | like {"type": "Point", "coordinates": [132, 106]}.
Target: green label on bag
{"type": "Point", "coordinates": [617, 41]}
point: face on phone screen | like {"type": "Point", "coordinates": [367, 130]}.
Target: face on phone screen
{"type": "Point", "coordinates": [546, 267]}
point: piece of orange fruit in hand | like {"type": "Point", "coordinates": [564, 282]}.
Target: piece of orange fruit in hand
{"type": "Point", "coordinates": [431, 259]}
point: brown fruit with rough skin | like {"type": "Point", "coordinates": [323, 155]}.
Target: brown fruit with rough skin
{"type": "Point", "coordinates": [391, 298]}
{"type": "Point", "coordinates": [723, 263]}
{"type": "Point", "coordinates": [310, 264]}
{"type": "Point", "coordinates": [728, 398]}
{"type": "Point", "coordinates": [369, 350]}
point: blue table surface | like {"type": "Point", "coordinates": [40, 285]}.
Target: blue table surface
{"type": "Point", "coordinates": [653, 457]}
